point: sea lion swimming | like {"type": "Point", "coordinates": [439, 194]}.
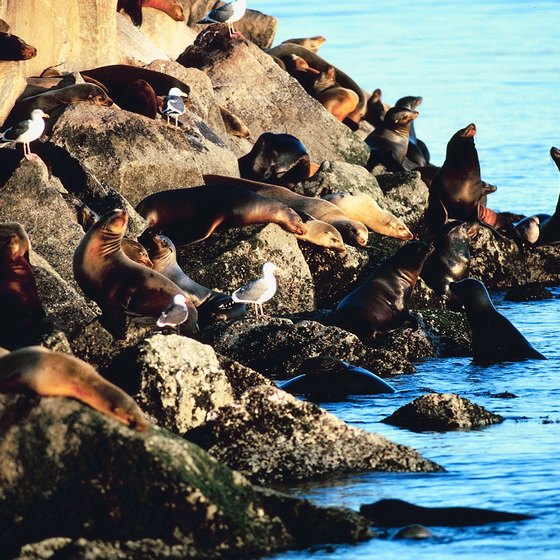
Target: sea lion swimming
{"type": "Point", "coordinates": [193, 214]}
{"type": "Point", "coordinates": [36, 370]}
{"type": "Point", "coordinates": [380, 302]}
{"type": "Point", "coordinates": [494, 337]}
{"type": "Point", "coordinates": [120, 286]}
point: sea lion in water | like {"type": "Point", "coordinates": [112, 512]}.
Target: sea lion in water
{"type": "Point", "coordinates": [494, 338]}
{"type": "Point", "coordinates": [380, 303]}
{"type": "Point", "coordinates": [451, 257]}
{"type": "Point", "coordinates": [361, 206]}
{"type": "Point", "coordinates": [193, 214]}
{"type": "Point", "coordinates": [279, 159]}
{"type": "Point", "coordinates": [212, 306]}
{"type": "Point", "coordinates": [550, 229]}
{"type": "Point", "coordinates": [389, 141]}
{"type": "Point", "coordinates": [14, 48]}
{"type": "Point", "coordinates": [353, 232]}
{"type": "Point", "coordinates": [120, 286]}
{"type": "Point", "coordinates": [52, 374]}
{"type": "Point", "coordinates": [325, 377]}
{"type": "Point", "coordinates": [397, 513]}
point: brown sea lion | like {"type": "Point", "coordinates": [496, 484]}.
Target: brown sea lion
{"type": "Point", "coordinates": [234, 125]}
{"type": "Point", "coordinates": [389, 141]}
{"type": "Point", "coordinates": [550, 228]}
{"type": "Point", "coordinates": [212, 306]}
{"type": "Point", "coordinates": [311, 43]}
{"type": "Point", "coordinates": [120, 286]}
{"type": "Point", "coordinates": [84, 215]}
{"type": "Point", "coordinates": [193, 214]}
{"type": "Point", "coordinates": [494, 337]}
{"type": "Point", "coordinates": [22, 317]}
{"type": "Point", "coordinates": [353, 232]}
{"type": "Point", "coordinates": [524, 232]}
{"type": "Point", "coordinates": [375, 109]}
{"type": "Point", "coordinates": [417, 153]}
{"type": "Point", "coordinates": [321, 234]}
{"type": "Point", "coordinates": [139, 97]}
{"type": "Point", "coordinates": [58, 99]}
{"type": "Point", "coordinates": [361, 206]}
{"type": "Point", "coordinates": [137, 252]}
{"type": "Point", "coordinates": [14, 48]}
{"type": "Point", "coordinates": [7, 230]}
{"type": "Point", "coordinates": [451, 257]}
{"type": "Point", "coordinates": [380, 303]}
{"type": "Point", "coordinates": [39, 371]}
{"type": "Point", "coordinates": [279, 159]}
{"type": "Point", "coordinates": [337, 100]}
{"type": "Point", "coordinates": [133, 8]}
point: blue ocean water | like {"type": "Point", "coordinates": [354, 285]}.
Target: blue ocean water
{"type": "Point", "coordinates": [494, 63]}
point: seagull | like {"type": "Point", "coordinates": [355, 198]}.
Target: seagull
{"type": "Point", "coordinates": [228, 13]}
{"type": "Point", "coordinates": [175, 314]}
{"type": "Point", "coordinates": [258, 291]}
{"type": "Point", "coordinates": [173, 104]}
{"type": "Point", "coordinates": [26, 131]}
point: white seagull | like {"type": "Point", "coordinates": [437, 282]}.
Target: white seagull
{"type": "Point", "coordinates": [228, 13]}
{"type": "Point", "coordinates": [173, 104]}
{"type": "Point", "coordinates": [258, 291]}
{"type": "Point", "coordinates": [26, 131]}
{"type": "Point", "coordinates": [175, 314]}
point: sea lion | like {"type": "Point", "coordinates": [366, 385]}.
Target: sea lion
{"type": "Point", "coordinates": [14, 48]}
{"type": "Point", "coordinates": [397, 513]}
{"type": "Point", "coordinates": [389, 141]}
{"type": "Point", "coordinates": [193, 214]}
{"type": "Point", "coordinates": [375, 109]}
{"type": "Point", "coordinates": [337, 100]}
{"type": "Point", "coordinates": [279, 159]}
{"type": "Point", "coordinates": [321, 234]}
{"type": "Point", "coordinates": [136, 252]}
{"type": "Point", "coordinates": [325, 377]}
{"type": "Point", "coordinates": [7, 230]}
{"type": "Point", "coordinates": [234, 125]}
{"type": "Point", "coordinates": [361, 206]}
{"type": "Point", "coordinates": [417, 153]}
{"type": "Point", "coordinates": [139, 97]}
{"type": "Point", "coordinates": [451, 257]}
{"type": "Point", "coordinates": [380, 303]}
{"type": "Point", "coordinates": [133, 8]}
{"type": "Point", "coordinates": [85, 216]}
{"type": "Point", "coordinates": [414, 531]}
{"type": "Point", "coordinates": [311, 43]}
{"type": "Point", "coordinates": [494, 337]}
{"type": "Point", "coordinates": [353, 232]}
{"type": "Point", "coordinates": [22, 317]}
{"type": "Point", "coordinates": [212, 306]}
{"type": "Point", "coordinates": [52, 374]}
{"type": "Point", "coordinates": [550, 229]}
{"type": "Point", "coordinates": [120, 286]}
{"type": "Point", "coordinates": [59, 98]}
{"type": "Point", "coordinates": [457, 191]}
{"type": "Point", "coordinates": [525, 231]}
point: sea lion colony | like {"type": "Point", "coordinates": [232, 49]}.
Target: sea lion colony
{"type": "Point", "coordinates": [126, 282]}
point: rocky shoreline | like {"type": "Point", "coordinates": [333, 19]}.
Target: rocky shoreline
{"type": "Point", "coordinates": [75, 483]}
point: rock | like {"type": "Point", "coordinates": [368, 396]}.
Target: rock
{"type": "Point", "coordinates": [12, 84]}
{"type": "Point", "coordinates": [411, 344]}
{"type": "Point", "coordinates": [276, 347]}
{"type": "Point", "coordinates": [442, 412]}
{"type": "Point", "coordinates": [528, 292]}
{"type": "Point", "coordinates": [240, 377]}
{"type": "Point", "coordinates": [451, 331]}
{"type": "Point", "coordinates": [270, 436]}
{"type": "Point", "coordinates": [251, 85]}
{"type": "Point", "coordinates": [136, 155]}
{"type": "Point", "coordinates": [229, 260]}
{"type": "Point", "coordinates": [69, 470]}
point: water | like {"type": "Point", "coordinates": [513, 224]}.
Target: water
{"type": "Point", "coordinates": [494, 63]}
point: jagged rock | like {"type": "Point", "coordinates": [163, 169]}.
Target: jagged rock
{"type": "Point", "coordinates": [412, 344]}
{"type": "Point", "coordinates": [32, 199]}
{"type": "Point", "coordinates": [276, 347]}
{"type": "Point", "coordinates": [442, 412]}
{"type": "Point", "coordinates": [528, 292]}
{"type": "Point", "coordinates": [228, 260]}
{"type": "Point", "coordinates": [69, 470]}
{"type": "Point", "coordinates": [451, 331]}
{"type": "Point", "coordinates": [136, 155]}
{"type": "Point", "coordinates": [270, 436]}
{"type": "Point", "coordinates": [240, 377]}
{"type": "Point", "coordinates": [251, 85]}
{"type": "Point", "coordinates": [12, 84]}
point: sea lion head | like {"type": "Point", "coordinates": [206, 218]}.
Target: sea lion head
{"type": "Point", "coordinates": [555, 155]}
{"type": "Point", "coordinates": [399, 117]}
{"type": "Point", "coordinates": [410, 101]}
{"type": "Point", "coordinates": [353, 232]}
{"type": "Point", "coordinates": [469, 294]}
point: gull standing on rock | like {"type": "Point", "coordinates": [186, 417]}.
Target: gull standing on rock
{"type": "Point", "coordinates": [26, 131]}
{"type": "Point", "coordinates": [258, 291]}
{"type": "Point", "coordinates": [175, 314]}
{"type": "Point", "coordinates": [228, 13]}
{"type": "Point", "coordinates": [173, 104]}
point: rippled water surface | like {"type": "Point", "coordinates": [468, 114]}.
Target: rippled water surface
{"type": "Point", "coordinates": [494, 63]}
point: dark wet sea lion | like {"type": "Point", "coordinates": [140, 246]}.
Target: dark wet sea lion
{"type": "Point", "coordinates": [325, 377]}
{"type": "Point", "coordinates": [375, 109]}
{"type": "Point", "coordinates": [212, 306]}
{"type": "Point", "coordinates": [380, 303]}
{"type": "Point", "coordinates": [550, 229]}
{"type": "Point", "coordinates": [397, 513]}
{"type": "Point", "coordinates": [139, 97]}
{"type": "Point", "coordinates": [39, 371]}
{"type": "Point", "coordinates": [279, 159]}
{"type": "Point", "coordinates": [451, 257]}
{"type": "Point", "coordinates": [414, 531]}
{"type": "Point", "coordinates": [193, 214]}
{"type": "Point", "coordinates": [494, 337]}
{"type": "Point", "coordinates": [417, 153]}
{"type": "Point", "coordinates": [389, 141]}
{"type": "Point", "coordinates": [120, 286]}
{"type": "Point", "coordinates": [14, 48]}
{"type": "Point", "coordinates": [353, 232]}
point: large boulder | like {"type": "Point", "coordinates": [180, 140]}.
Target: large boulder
{"type": "Point", "coordinates": [251, 85]}
{"type": "Point", "coordinates": [12, 84]}
{"type": "Point", "coordinates": [70, 471]}
{"type": "Point", "coordinates": [270, 436]}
